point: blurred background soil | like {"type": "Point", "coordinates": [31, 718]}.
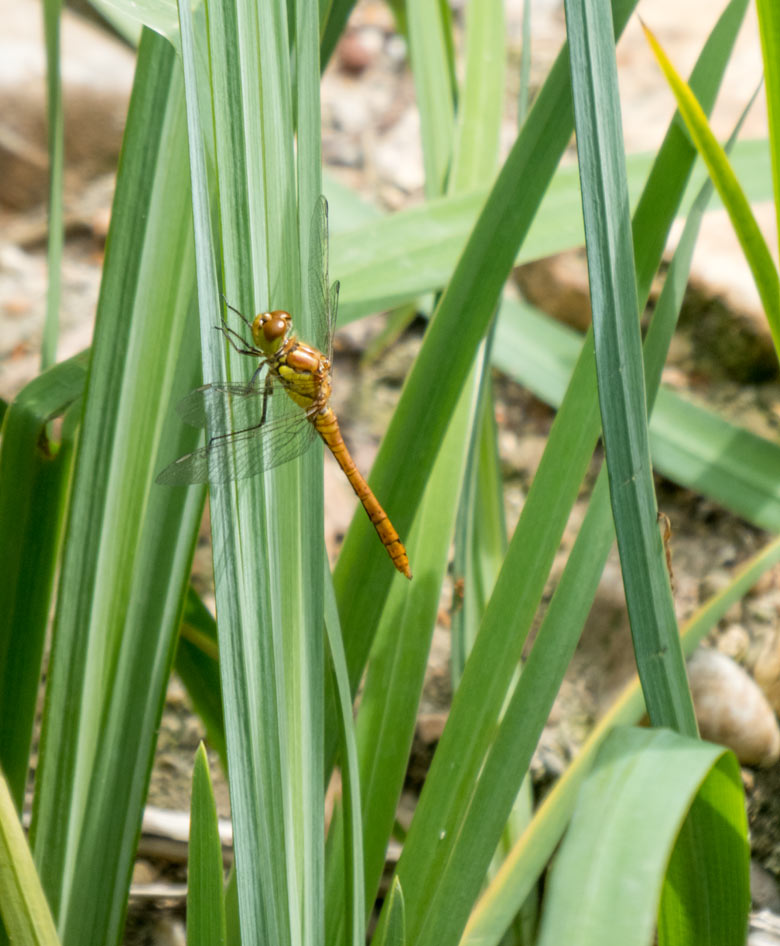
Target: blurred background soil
{"type": "Point", "coordinates": [721, 357]}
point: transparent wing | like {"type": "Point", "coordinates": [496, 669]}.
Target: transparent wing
{"type": "Point", "coordinates": [240, 445]}
{"type": "Point", "coordinates": [332, 310]}
{"type": "Point", "coordinates": [242, 453]}
{"type": "Point", "coordinates": [225, 406]}
{"type": "Point", "coordinates": [323, 313]}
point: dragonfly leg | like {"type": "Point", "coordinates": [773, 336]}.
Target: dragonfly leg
{"type": "Point", "coordinates": [227, 332]}
{"type": "Point", "coordinates": [230, 434]}
{"type": "Point", "coordinates": [266, 392]}
{"type": "Point", "coordinates": [241, 315]}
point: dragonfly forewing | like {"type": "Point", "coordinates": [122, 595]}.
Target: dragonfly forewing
{"type": "Point", "coordinates": [243, 453]}
{"type": "Point", "coordinates": [322, 314]}
{"type": "Point", "coordinates": [225, 405]}
{"type": "Point", "coordinates": [333, 306]}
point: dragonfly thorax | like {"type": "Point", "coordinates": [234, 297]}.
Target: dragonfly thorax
{"type": "Point", "coordinates": [270, 330]}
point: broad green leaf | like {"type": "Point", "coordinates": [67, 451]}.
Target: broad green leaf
{"type": "Point", "coordinates": [606, 883]}
{"type": "Point", "coordinates": [710, 905]}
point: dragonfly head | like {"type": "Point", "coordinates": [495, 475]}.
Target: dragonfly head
{"type": "Point", "coordinates": [269, 330]}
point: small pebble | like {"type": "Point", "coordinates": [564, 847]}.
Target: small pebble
{"type": "Point", "coordinates": [145, 873]}
{"type": "Point", "coordinates": [734, 642]}
{"type": "Point", "coordinates": [763, 888]}
{"type": "Point", "coordinates": [169, 931]}
{"type": "Point", "coordinates": [359, 49]}
{"type": "Point", "coordinates": [396, 49]}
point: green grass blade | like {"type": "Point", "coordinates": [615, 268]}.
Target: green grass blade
{"type": "Point", "coordinates": [430, 54]}
{"type": "Point", "coordinates": [197, 664]}
{"type": "Point", "coordinates": [606, 884]}
{"type": "Point", "coordinates": [56, 229]}
{"type": "Point", "coordinates": [700, 450]}
{"type": "Point", "coordinates": [396, 669]}
{"type": "Point", "coordinates": [333, 17]}
{"type": "Point", "coordinates": [353, 917]}
{"type": "Point", "coordinates": [34, 475]}
{"type": "Point", "coordinates": [480, 538]}
{"type": "Point", "coordinates": [532, 698]}
{"type": "Point", "coordinates": [565, 616]}
{"type": "Point", "coordinates": [231, 911]}
{"type": "Point", "coordinates": [619, 366]}
{"type": "Point", "coordinates": [525, 65]}
{"type": "Point", "coordinates": [769, 30]}
{"type": "Point", "coordinates": [124, 567]}
{"type": "Point", "coordinates": [158, 15]}
{"type": "Point", "coordinates": [23, 907]}
{"type": "Point", "coordinates": [751, 239]}
{"type": "Point", "coordinates": [475, 145]}
{"type": "Point", "coordinates": [394, 931]}
{"type": "Point", "coordinates": [205, 881]}
{"type": "Point", "coordinates": [661, 202]}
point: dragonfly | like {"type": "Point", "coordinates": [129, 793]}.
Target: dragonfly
{"type": "Point", "coordinates": [279, 412]}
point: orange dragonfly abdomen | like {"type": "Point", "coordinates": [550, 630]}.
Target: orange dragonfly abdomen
{"type": "Point", "coordinates": [327, 426]}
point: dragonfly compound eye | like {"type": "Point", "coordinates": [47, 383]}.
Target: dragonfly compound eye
{"type": "Point", "coordinates": [270, 329]}
{"type": "Point", "coordinates": [276, 325]}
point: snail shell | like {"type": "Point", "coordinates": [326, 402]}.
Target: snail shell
{"type": "Point", "coordinates": [731, 709]}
